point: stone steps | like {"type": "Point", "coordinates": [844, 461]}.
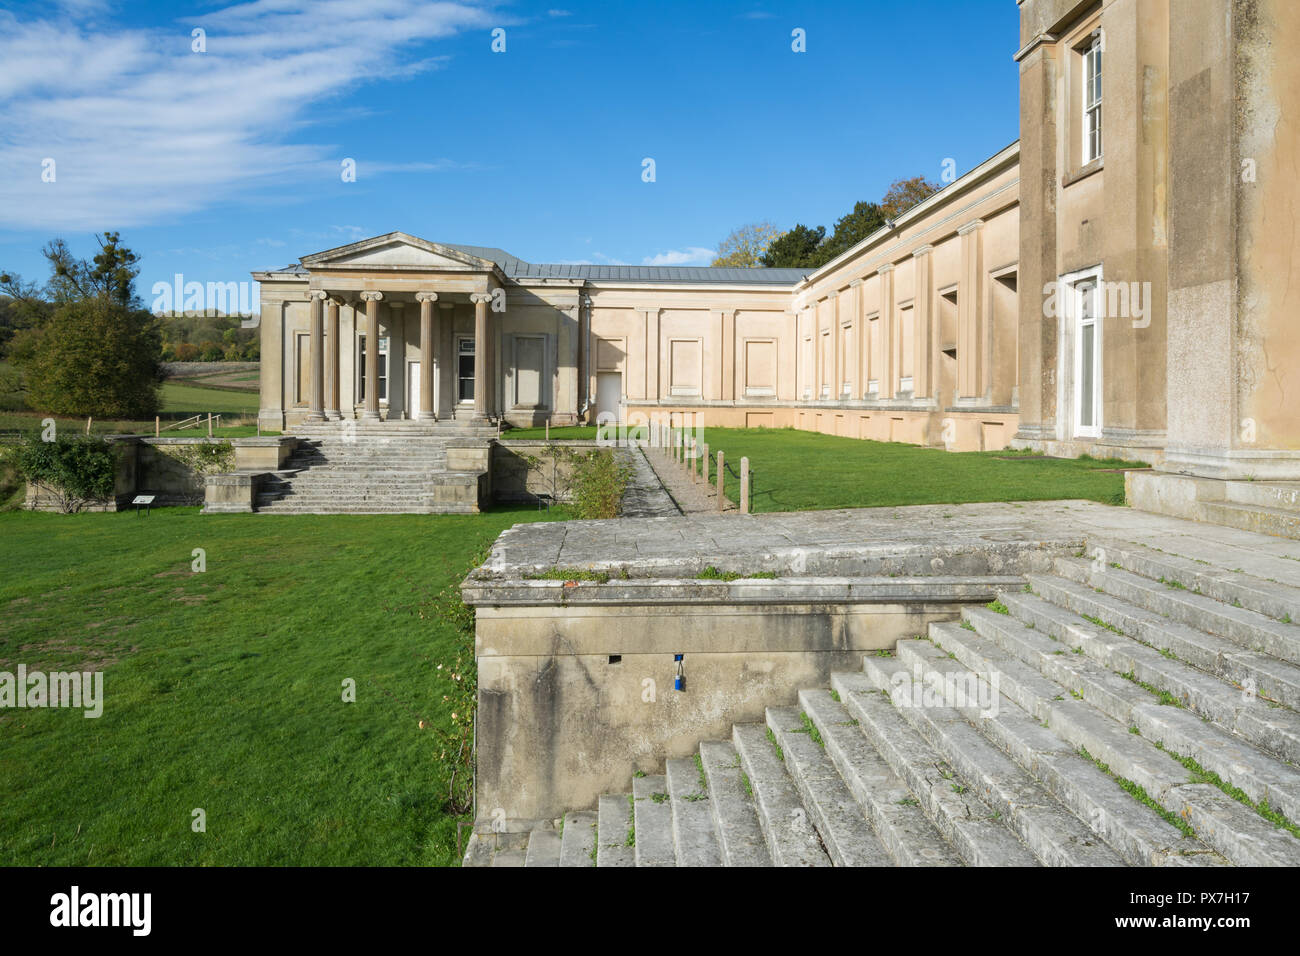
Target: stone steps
{"type": "Point", "coordinates": [373, 471]}
{"type": "Point", "coordinates": [1250, 629]}
{"type": "Point", "coordinates": [1130, 707]}
{"type": "Point", "coordinates": [1258, 518]}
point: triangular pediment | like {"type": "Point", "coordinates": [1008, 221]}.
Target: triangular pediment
{"type": "Point", "coordinates": [397, 250]}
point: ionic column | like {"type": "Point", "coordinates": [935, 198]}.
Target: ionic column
{"type": "Point", "coordinates": [481, 345]}
{"type": "Point", "coordinates": [316, 359]}
{"type": "Point", "coordinates": [371, 411]}
{"type": "Point", "coordinates": [426, 300]}
{"type": "Point", "coordinates": [332, 361]}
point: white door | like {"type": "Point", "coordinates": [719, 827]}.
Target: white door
{"type": "Point", "coordinates": [1087, 360]}
{"type": "Point", "coordinates": [412, 388]}
{"type": "Point", "coordinates": [609, 396]}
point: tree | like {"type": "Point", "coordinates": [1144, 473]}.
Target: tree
{"type": "Point", "coordinates": [796, 249]}
{"type": "Point", "coordinates": [904, 194]}
{"type": "Point", "coordinates": [89, 348]}
{"type": "Point", "coordinates": [111, 273]}
{"type": "Point", "coordinates": [745, 246]}
{"type": "Point", "coordinates": [96, 357]}
{"type": "Point", "coordinates": [850, 229]}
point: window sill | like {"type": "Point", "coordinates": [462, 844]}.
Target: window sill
{"type": "Point", "coordinates": [1083, 172]}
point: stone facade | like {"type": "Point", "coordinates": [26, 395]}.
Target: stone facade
{"type": "Point", "coordinates": [1114, 284]}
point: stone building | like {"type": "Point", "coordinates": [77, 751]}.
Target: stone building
{"type": "Point", "coordinates": [1116, 283]}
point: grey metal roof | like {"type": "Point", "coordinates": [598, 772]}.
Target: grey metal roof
{"type": "Point", "coordinates": [516, 268]}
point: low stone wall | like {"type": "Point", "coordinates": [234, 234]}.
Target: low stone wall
{"type": "Point", "coordinates": [576, 676]}
{"type": "Point", "coordinates": [145, 466]}
{"type": "Point", "coordinates": [516, 478]}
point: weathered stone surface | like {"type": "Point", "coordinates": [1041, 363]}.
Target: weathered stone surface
{"type": "Point", "coordinates": [899, 822]}
{"type": "Point", "coordinates": [579, 840]}
{"type": "Point", "coordinates": [695, 838]}
{"type": "Point", "coordinates": [653, 817]}
{"type": "Point", "coordinates": [839, 819]}
{"type": "Point", "coordinates": [614, 822]}
{"type": "Point", "coordinates": [740, 837]}
{"type": "Point", "coordinates": [790, 834]}
{"type": "Point", "coordinates": [967, 823]}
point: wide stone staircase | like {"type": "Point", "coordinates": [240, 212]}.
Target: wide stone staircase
{"type": "Point", "coordinates": [1132, 707]}
{"type": "Point", "coordinates": [380, 470]}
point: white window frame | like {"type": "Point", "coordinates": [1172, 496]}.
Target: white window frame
{"type": "Point", "coordinates": [1093, 78]}
{"type": "Point", "coordinates": [1077, 284]}
{"type": "Point", "coordinates": [460, 351]}
{"type": "Point", "coordinates": [385, 354]}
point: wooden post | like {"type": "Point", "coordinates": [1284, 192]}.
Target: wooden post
{"type": "Point", "coordinates": [744, 486]}
{"type": "Point", "coordinates": [88, 420]}
{"type": "Point", "coordinates": [695, 471]}
{"type": "Point", "coordinates": [548, 429]}
{"type": "Point", "coordinates": [157, 425]}
{"type": "Point", "coordinates": [722, 476]}
{"type": "Point", "coordinates": [209, 424]}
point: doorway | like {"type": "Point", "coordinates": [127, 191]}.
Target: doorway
{"type": "Point", "coordinates": [609, 396]}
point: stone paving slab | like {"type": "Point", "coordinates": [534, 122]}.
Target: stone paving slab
{"type": "Point", "coordinates": [991, 537]}
{"type": "Point", "coordinates": [645, 496]}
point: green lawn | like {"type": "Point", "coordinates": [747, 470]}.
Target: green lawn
{"type": "Point", "coordinates": [805, 471]}
{"type": "Point", "coordinates": [223, 689]}
{"type": "Point", "coordinates": [180, 400]}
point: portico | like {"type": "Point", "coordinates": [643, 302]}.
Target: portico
{"type": "Point", "coordinates": [396, 329]}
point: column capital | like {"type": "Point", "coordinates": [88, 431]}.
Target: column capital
{"type": "Point", "coordinates": [480, 298]}
{"type": "Point", "coordinates": [855, 283]}
{"type": "Point", "coordinates": [970, 227]}
{"type": "Point", "coordinates": [923, 251]}
{"type": "Point", "coordinates": [887, 268]}
{"type": "Point", "coordinates": [371, 296]}
{"type": "Point", "coordinates": [320, 294]}
{"type": "Point", "coordinates": [426, 297]}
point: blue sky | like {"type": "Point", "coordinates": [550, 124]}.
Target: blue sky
{"type": "Point", "coordinates": [213, 164]}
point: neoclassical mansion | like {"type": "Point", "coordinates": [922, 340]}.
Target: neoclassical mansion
{"type": "Point", "coordinates": [1119, 282]}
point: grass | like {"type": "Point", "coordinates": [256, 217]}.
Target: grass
{"type": "Point", "coordinates": [224, 688]}
{"type": "Point", "coordinates": [800, 471]}
{"type": "Point", "coordinates": [713, 574]}
{"type": "Point", "coordinates": [1139, 794]}
{"type": "Point", "coordinates": [180, 400]}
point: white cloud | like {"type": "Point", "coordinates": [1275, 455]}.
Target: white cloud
{"type": "Point", "coordinates": [690, 256]}
{"type": "Point", "coordinates": [141, 129]}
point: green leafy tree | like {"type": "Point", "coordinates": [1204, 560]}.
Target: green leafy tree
{"type": "Point", "coordinates": [904, 194]}
{"type": "Point", "coordinates": [850, 229]}
{"type": "Point", "coordinates": [95, 357]}
{"type": "Point", "coordinates": [88, 347]}
{"type": "Point", "coordinates": [745, 246]}
{"type": "Point", "coordinates": [796, 249]}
